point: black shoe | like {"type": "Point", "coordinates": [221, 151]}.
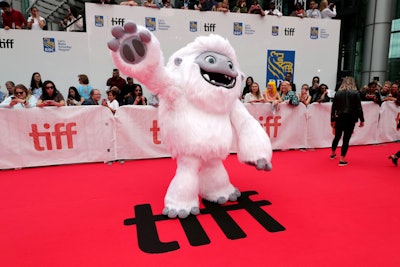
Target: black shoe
{"type": "Point", "coordinates": [394, 159]}
{"type": "Point", "coordinates": [333, 156]}
{"type": "Point", "coordinates": [342, 163]}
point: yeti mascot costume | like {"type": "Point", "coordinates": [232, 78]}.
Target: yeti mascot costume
{"type": "Point", "coordinates": [199, 111]}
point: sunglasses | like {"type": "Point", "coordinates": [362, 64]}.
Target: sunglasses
{"type": "Point", "coordinates": [49, 87]}
{"type": "Point", "coordinates": [19, 93]}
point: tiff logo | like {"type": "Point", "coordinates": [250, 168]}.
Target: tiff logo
{"type": "Point", "coordinates": [6, 43]}
{"type": "Point", "coordinates": [271, 122]}
{"type": "Point", "coordinates": [289, 31]}
{"type": "Point", "coordinates": [117, 21]}
{"type": "Point", "coordinates": [155, 129]}
{"type": "Point", "coordinates": [149, 241]}
{"type": "Point", "coordinates": [209, 27]}
{"type": "Point", "coordinates": [57, 134]}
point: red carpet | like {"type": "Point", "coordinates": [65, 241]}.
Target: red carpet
{"type": "Point", "coordinates": [319, 214]}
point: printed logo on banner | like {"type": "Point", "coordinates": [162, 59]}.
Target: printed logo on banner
{"type": "Point", "coordinates": [193, 26]}
{"type": "Point", "coordinates": [148, 235]}
{"type": "Point", "coordinates": [210, 27]}
{"type": "Point", "coordinates": [289, 31]}
{"type": "Point", "coordinates": [163, 25]}
{"type": "Point", "coordinates": [49, 45]}
{"type": "Point", "coordinates": [275, 30]}
{"type": "Point", "coordinates": [314, 33]}
{"type": "Point", "coordinates": [151, 24]}
{"type": "Point", "coordinates": [279, 63]}
{"type": "Point", "coordinates": [6, 43]}
{"type": "Point", "coordinates": [237, 28]}
{"type": "Point", "coordinates": [98, 21]}
{"type": "Point", "coordinates": [117, 21]}
{"type": "Point", "coordinates": [45, 139]}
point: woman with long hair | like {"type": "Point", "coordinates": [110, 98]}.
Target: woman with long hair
{"type": "Point", "coordinates": [36, 85]}
{"type": "Point", "coordinates": [74, 98]}
{"type": "Point", "coordinates": [21, 98]}
{"type": "Point", "coordinates": [255, 95]}
{"type": "Point", "coordinates": [51, 96]}
{"type": "Point", "coordinates": [346, 111]}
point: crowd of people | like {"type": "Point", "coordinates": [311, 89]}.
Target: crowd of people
{"type": "Point", "coordinates": [45, 93]}
{"type": "Point", "coordinates": [74, 20]}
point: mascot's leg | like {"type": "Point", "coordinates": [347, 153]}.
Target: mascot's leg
{"type": "Point", "coordinates": [182, 196]}
{"type": "Point", "coordinates": [214, 183]}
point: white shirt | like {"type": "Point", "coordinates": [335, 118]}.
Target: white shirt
{"type": "Point", "coordinates": [327, 13]}
{"type": "Point", "coordinates": [35, 24]}
{"type": "Point", "coordinates": [31, 102]}
{"type": "Point", "coordinates": [114, 105]}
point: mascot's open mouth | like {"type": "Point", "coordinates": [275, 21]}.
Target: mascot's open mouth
{"type": "Point", "coordinates": [218, 79]}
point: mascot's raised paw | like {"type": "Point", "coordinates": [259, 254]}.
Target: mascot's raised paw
{"type": "Point", "coordinates": [130, 41]}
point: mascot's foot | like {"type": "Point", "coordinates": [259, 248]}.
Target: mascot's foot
{"type": "Point", "coordinates": [261, 165]}
{"type": "Point", "coordinates": [181, 213]}
{"type": "Point", "coordinates": [232, 197]}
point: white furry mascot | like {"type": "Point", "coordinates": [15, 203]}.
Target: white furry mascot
{"type": "Point", "coordinates": [199, 111]}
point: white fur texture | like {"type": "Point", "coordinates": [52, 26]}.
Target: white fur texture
{"type": "Point", "coordinates": [197, 121]}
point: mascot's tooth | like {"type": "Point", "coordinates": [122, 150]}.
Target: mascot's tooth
{"type": "Point", "coordinates": [206, 76]}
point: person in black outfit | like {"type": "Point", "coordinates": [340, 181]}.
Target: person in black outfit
{"type": "Point", "coordinates": [395, 157]}
{"type": "Point", "coordinates": [346, 111]}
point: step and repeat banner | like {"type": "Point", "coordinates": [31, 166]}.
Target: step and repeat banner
{"type": "Point", "coordinates": [267, 47]}
{"type": "Point", "coordinates": [66, 135]}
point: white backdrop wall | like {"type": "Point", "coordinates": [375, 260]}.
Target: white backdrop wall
{"type": "Point", "coordinates": [306, 47]}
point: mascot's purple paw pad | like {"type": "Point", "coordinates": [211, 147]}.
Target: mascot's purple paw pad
{"type": "Point", "coordinates": [234, 196]}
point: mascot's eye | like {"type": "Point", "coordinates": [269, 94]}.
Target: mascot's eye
{"type": "Point", "coordinates": [230, 65]}
{"type": "Point", "coordinates": [211, 59]}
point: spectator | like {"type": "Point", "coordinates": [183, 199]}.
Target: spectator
{"type": "Point", "coordinates": [127, 92]}
{"type": "Point", "coordinates": [288, 77]}
{"type": "Point", "coordinates": [74, 98]}
{"type": "Point", "coordinates": [129, 3]}
{"type": "Point", "coordinates": [394, 90]}
{"type": "Point", "coordinates": [240, 8]}
{"type": "Point", "coordinates": [10, 88]}
{"type": "Point", "coordinates": [84, 87]}
{"type": "Point", "coordinates": [167, 4]}
{"type": "Point", "coordinates": [328, 11]}
{"type": "Point", "coordinates": [139, 98]}
{"type": "Point", "coordinates": [152, 3]}
{"type": "Point", "coordinates": [386, 94]}
{"type": "Point", "coordinates": [185, 4]}
{"type": "Point", "coordinates": [371, 94]}
{"type": "Point", "coordinates": [12, 19]}
{"type": "Point", "coordinates": [298, 11]}
{"type": "Point", "coordinates": [272, 11]}
{"type": "Point", "coordinates": [94, 98]}
{"type": "Point", "coordinates": [50, 96]}
{"type": "Point", "coordinates": [2, 96]}
{"type": "Point", "coordinates": [272, 96]}
{"type": "Point", "coordinates": [204, 5]}
{"type": "Point", "coordinates": [255, 8]}
{"type": "Point", "coordinates": [247, 88]}
{"type": "Point", "coordinates": [36, 85]}
{"type": "Point", "coordinates": [111, 101]}
{"type": "Point", "coordinates": [21, 98]}
{"type": "Point", "coordinates": [287, 95]}
{"type": "Point", "coordinates": [75, 21]}
{"type": "Point", "coordinates": [304, 96]}
{"type": "Point", "coordinates": [346, 111]}
{"type": "Point", "coordinates": [313, 12]}
{"type": "Point", "coordinates": [35, 21]}
{"type": "Point", "coordinates": [223, 6]}
{"type": "Point", "coordinates": [255, 95]}
{"type": "Point", "coordinates": [314, 87]}
{"type": "Point", "coordinates": [116, 80]}
{"type": "Point", "coordinates": [321, 96]}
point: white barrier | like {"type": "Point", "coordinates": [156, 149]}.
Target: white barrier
{"type": "Point", "coordinates": [52, 136]}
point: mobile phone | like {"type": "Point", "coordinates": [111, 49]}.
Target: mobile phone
{"type": "Point", "coordinates": [12, 97]}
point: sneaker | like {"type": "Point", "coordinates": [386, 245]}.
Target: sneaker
{"type": "Point", "coordinates": [333, 156]}
{"type": "Point", "coordinates": [342, 163]}
{"type": "Point", "coordinates": [394, 159]}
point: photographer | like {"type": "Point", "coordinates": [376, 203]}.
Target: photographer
{"type": "Point", "coordinates": [327, 10]}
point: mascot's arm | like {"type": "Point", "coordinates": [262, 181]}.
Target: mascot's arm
{"type": "Point", "coordinates": [253, 144]}
{"type": "Point", "coordinates": [137, 53]}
